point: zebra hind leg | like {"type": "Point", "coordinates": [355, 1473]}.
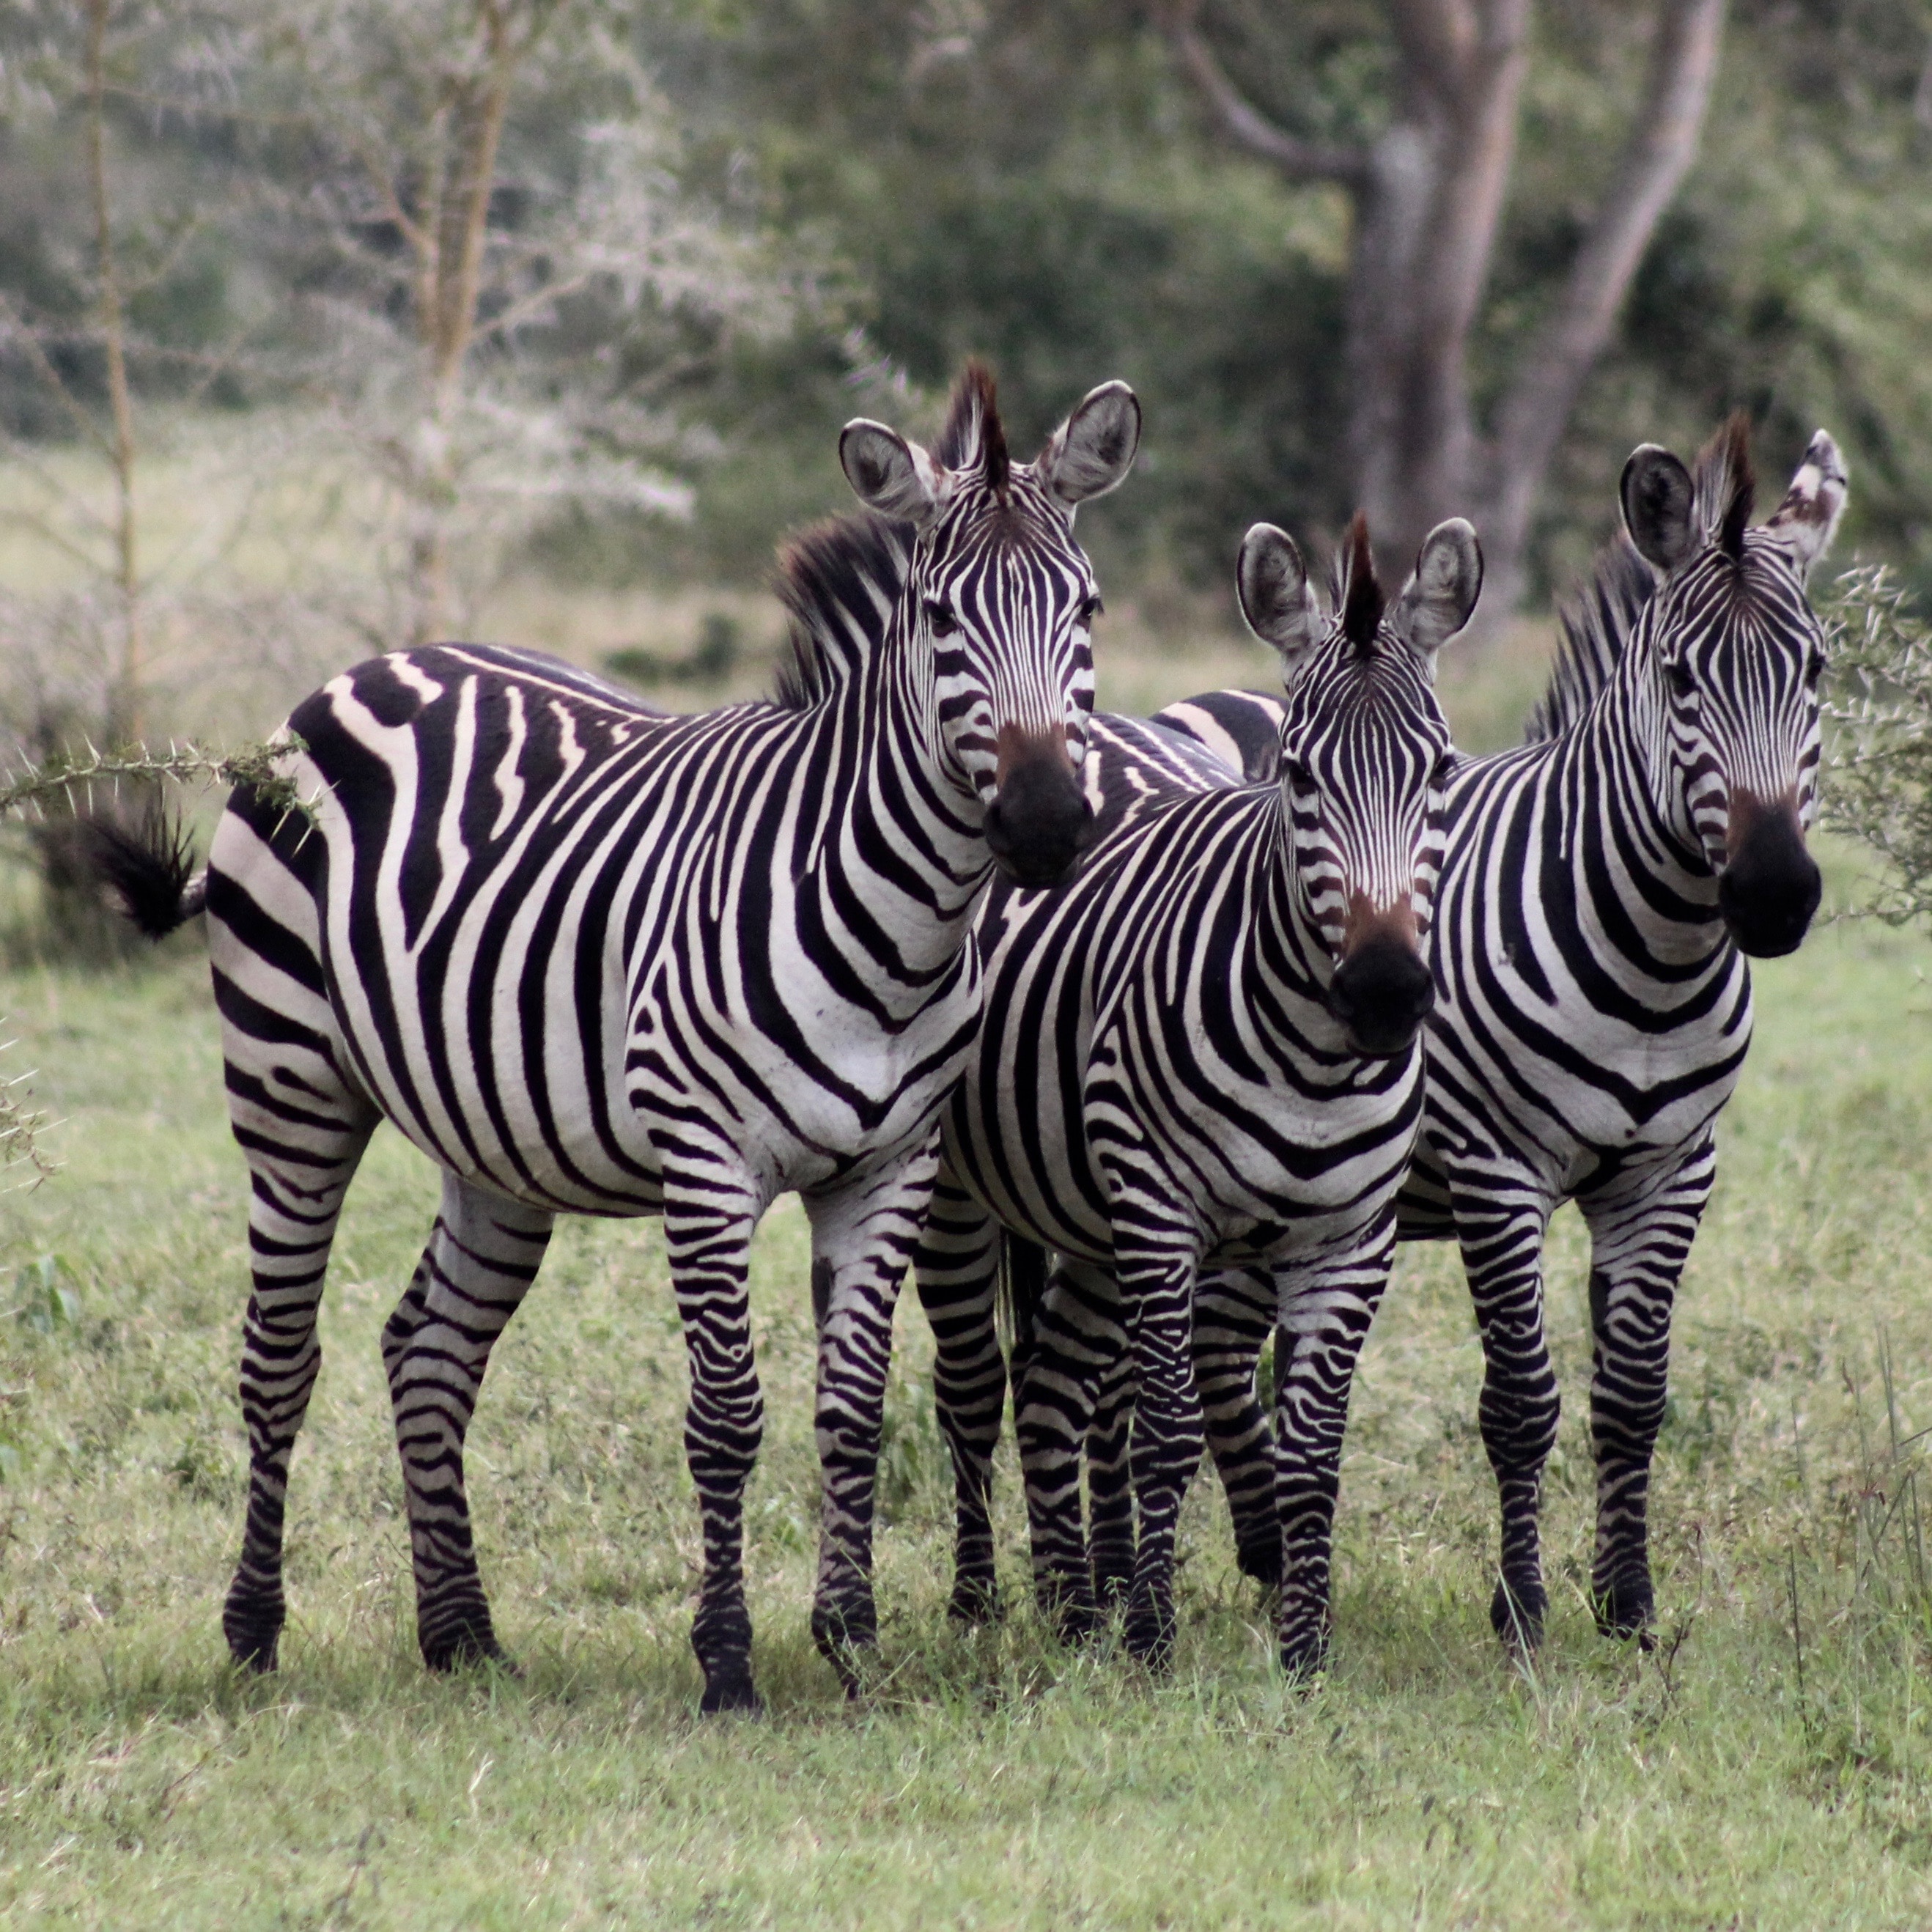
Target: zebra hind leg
{"type": "Point", "coordinates": [296, 1191]}
{"type": "Point", "coordinates": [1501, 1240]}
{"type": "Point", "coordinates": [957, 1270]}
{"type": "Point", "coordinates": [483, 1254]}
{"type": "Point", "coordinates": [1637, 1252]}
{"type": "Point", "coordinates": [863, 1239]}
{"type": "Point", "coordinates": [1234, 1316]}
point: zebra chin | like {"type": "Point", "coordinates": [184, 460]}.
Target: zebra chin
{"type": "Point", "coordinates": [1040, 821]}
{"type": "Point", "coordinates": [1381, 993]}
{"type": "Point", "coordinates": [1770, 888]}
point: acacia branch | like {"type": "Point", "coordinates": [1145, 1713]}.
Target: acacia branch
{"type": "Point", "coordinates": [1662, 143]}
{"type": "Point", "coordinates": [1245, 125]}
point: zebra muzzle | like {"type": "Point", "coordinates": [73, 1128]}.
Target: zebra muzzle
{"type": "Point", "coordinates": [1040, 821]}
{"type": "Point", "coordinates": [1381, 993]}
{"type": "Point", "coordinates": [1770, 887]}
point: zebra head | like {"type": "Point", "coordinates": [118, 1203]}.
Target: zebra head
{"type": "Point", "coordinates": [1002, 600]}
{"type": "Point", "coordinates": [1365, 757]}
{"type": "Point", "coordinates": [1735, 654]}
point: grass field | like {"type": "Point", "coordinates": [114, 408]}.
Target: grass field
{"type": "Point", "coordinates": [1768, 1765]}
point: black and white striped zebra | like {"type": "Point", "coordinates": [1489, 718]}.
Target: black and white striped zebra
{"type": "Point", "coordinates": [1601, 888]}
{"type": "Point", "coordinates": [1203, 1052]}
{"type": "Point", "coordinates": [594, 959]}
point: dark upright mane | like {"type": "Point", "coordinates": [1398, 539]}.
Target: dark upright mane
{"type": "Point", "coordinates": [974, 434]}
{"type": "Point", "coordinates": [1597, 624]}
{"type": "Point", "coordinates": [1357, 591]}
{"type": "Point", "coordinates": [1725, 488]}
{"type": "Point", "coordinates": [841, 581]}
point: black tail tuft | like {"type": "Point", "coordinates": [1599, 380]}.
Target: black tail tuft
{"type": "Point", "coordinates": [148, 870]}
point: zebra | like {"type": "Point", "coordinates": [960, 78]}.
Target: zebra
{"type": "Point", "coordinates": [595, 959]}
{"type": "Point", "coordinates": [1603, 888]}
{"type": "Point", "coordinates": [1204, 1050]}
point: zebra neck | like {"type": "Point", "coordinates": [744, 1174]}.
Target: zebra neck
{"type": "Point", "coordinates": [1616, 830]}
{"type": "Point", "coordinates": [908, 842]}
{"type": "Point", "coordinates": [1286, 953]}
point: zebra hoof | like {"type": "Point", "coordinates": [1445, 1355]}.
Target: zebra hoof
{"type": "Point", "coordinates": [253, 1626]}
{"type": "Point", "coordinates": [1149, 1635]}
{"type": "Point", "coordinates": [1624, 1609]}
{"type": "Point", "coordinates": [467, 1648]}
{"type": "Point", "coordinates": [1304, 1657]}
{"type": "Point", "coordinates": [729, 1697]}
{"type": "Point", "coordinates": [1259, 1556]}
{"type": "Point", "coordinates": [1112, 1587]}
{"type": "Point", "coordinates": [975, 1602]}
{"type": "Point", "coordinates": [1516, 1611]}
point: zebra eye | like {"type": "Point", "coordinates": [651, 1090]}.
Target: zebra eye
{"type": "Point", "coordinates": [1295, 774]}
{"type": "Point", "coordinates": [1091, 608]}
{"type": "Point", "coordinates": [940, 618]}
{"type": "Point", "coordinates": [1445, 769]}
{"type": "Point", "coordinates": [1814, 669]}
{"type": "Point", "coordinates": [1681, 681]}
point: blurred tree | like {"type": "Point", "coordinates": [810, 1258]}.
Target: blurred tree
{"type": "Point", "coordinates": [479, 206]}
{"type": "Point", "coordinates": [1427, 190]}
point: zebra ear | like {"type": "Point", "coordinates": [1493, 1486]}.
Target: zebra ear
{"type": "Point", "coordinates": [1277, 599]}
{"type": "Point", "coordinates": [1091, 452]}
{"type": "Point", "coordinates": [1659, 502]}
{"type": "Point", "coordinates": [1442, 590]}
{"type": "Point", "coordinates": [888, 474]}
{"type": "Point", "coordinates": [1808, 519]}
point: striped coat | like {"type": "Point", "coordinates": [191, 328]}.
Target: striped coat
{"type": "Point", "coordinates": [593, 959]}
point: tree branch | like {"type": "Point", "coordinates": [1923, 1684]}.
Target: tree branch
{"type": "Point", "coordinates": [1663, 141]}
{"type": "Point", "coordinates": [1299, 160]}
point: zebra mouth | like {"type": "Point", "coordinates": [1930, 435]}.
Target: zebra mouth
{"type": "Point", "coordinates": [1381, 993]}
{"type": "Point", "coordinates": [1769, 892]}
{"type": "Point", "coordinates": [1040, 821]}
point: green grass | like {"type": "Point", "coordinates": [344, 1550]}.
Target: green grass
{"type": "Point", "coordinates": [1744, 1773]}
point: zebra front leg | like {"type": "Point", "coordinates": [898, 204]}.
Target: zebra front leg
{"type": "Point", "coordinates": [708, 1229]}
{"type": "Point", "coordinates": [1501, 1233]}
{"type": "Point", "coordinates": [1157, 1288]}
{"type": "Point", "coordinates": [957, 1270]}
{"type": "Point", "coordinates": [1638, 1248]}
{"type": "Point", "coordinates": [482, 1255]}
{"type": "Point", "coordinates": [1110, 1484]}
{"type": "Point", "coordinates": [1325, 1312]}
{"type": "Point", "coordinates": [1079, 1332]}
{"type": "Point", "coordinates": [863, 1238]}
{"type": "Point", "coordinates": [295, 1201]}
{"type": "Point", "coordinates": [1234, 1316]}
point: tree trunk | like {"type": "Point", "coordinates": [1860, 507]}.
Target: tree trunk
{"type": "Point", "coordinates": [123, 720]}
{"type": "Point", "coordinates": [1428, 197]}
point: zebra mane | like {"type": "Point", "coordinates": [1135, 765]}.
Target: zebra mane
{"type": "Point", "coordinates": [1354, 589]}
{"type": "Point", "coordinates": [1724, 487]}
{"type": "Point", "coordinates": [1596, 624]}
{"type": "Point", "coordinates": [974, 437]}
{"type": "Point", "coordinates": [841, 580]}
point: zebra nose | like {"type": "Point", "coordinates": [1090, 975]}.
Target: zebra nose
{"type": "Point", "coordinates": [1040, 821]}
{"type": "Point", "coordinates": [1382, 991]}
{"type": "Point", "coordinates": [1770, 887]}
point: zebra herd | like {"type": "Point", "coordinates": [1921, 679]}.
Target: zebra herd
{"type": "Point", "coordinates": [1165, 1031]}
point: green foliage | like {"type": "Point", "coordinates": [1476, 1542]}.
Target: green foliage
{"type": "Point", "coordinates": [1768, 1765]}
{"type": "Point", "coordinates": [1879, 782]}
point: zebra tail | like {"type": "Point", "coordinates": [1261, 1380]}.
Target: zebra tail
{"type": "Point", "coordinates": [148, 872]}
{"type": "Point", "coordinates": [1018, 1290]}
